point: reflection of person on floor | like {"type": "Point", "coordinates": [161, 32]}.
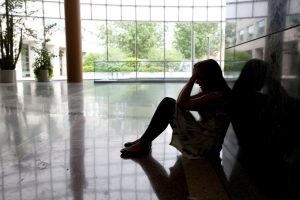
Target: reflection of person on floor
{"type": "Point", "coordinates": [166, 186]}
{"type": "Point", "coordinates": [193, 138]}
{"type": "Point", "coordinates": [264, 117]}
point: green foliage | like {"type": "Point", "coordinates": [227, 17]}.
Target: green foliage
{"type": "Point", "coordinates": [123, 35]}
{"type": "Point", "coordinates": [90, 58]}
{"type": "Point", "coordinates": [202, 31]}
{"type": "Point", "coordinates": [150, 69]}
{"type": "Point", "coordinates": [230, 33]}
{"type": "Point", "coordinates": [43, 59]}
{"type": "Point", "coordinates": [234, 60]}
{"type": "Point", "coordinates": [88, 68]}
{"type": "Point", "coordinates": [11, 34]}
{"type": "Point", "coordinates": [37, 72]}
{"type": "Point", "coordinates": [173, 55]}
{"type": "Point", "coordinates": [115, 54]}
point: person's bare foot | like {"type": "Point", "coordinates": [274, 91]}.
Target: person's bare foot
{"type": "Point", "coordinates": [128, 144]}
{"type": "Point", "coordinates": [137, 149]}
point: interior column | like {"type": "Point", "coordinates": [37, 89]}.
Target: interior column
{"type": "Point", "coordinates": [73, 40]}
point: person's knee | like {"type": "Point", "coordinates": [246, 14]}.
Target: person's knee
{"type": "Point", "coordinates": [168, 101]}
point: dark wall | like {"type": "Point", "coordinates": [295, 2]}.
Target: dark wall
{"type": "Point", "coordinates": [265, 119]}
{"type": "Point", "coordinates": [259, 29]}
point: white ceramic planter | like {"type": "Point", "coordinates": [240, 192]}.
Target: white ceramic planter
{"type": "Point", "coordinates": [7, 76]}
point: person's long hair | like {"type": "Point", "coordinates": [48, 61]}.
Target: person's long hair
{"type": "Point", "coordinates": [252, 76]}
{"type": "Point", "coordinates": [213, 75]}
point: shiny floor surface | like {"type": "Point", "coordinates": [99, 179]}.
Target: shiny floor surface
{"type": "Point", "coordinates": [62, 141]}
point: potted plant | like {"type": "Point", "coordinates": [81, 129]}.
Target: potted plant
{"type": "Point", "coordinates": [11, 35]}
{"type": "Point", "coordinates": [42, 66]}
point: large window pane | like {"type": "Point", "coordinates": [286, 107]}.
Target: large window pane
{"type": "Point", "coordinates": [98, 12]}
{"type": "Point", "coordinates": [143, 38]}
{"type": "Point", "coordinates": [183, 39]}
{"type": "Point", "coordinates": [150, 37]}
{"type": "Point", "coordinates": [171, 14]}
{"type": "Point", "coordinates": [34, 8]}
{"type": "Point", "coordinates": [85, 11]}
{"type": "Point", "coordinates": [143, 13]}
{"type": "Point", "coordinates": [113, 12]}
{"type": "Point", "coordinates": [52, 10]}
{"type": "Point", "coordinates": [207, 40]}
{"type": "Point", "coordinates": [200, 14]}
{"type": "Point", "coordinates": [150, 70]}
{"type": "Point", "coordinates": [157, 14]}
{"type": "Point", "coordinates": [121, 41]}
{"type": "Point", "coordinates": [178, 69]}
{"type": "Point", "coordinates": [128, 13]}
{"type": "Point", "coordinates": [185, 14]}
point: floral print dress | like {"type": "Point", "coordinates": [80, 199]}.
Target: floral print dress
{"type": "Point", "coordinates": [200, 138]}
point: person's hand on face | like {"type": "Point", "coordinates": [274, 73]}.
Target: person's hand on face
{"type": "Point", "coordinates": [196, 73]}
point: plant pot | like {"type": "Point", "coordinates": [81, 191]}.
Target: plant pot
{"type": "Point", "coordinates": [44, 76]}
{"type": "Point", "coordinates": [8, 76]}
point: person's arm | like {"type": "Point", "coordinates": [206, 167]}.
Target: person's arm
{"type": "Point", "coordinates": [185, 93]}
{"type": "Point", "coordinates": [199, 101]}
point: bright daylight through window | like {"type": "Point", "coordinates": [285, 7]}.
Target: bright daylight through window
{"type": "Point", "coordinates": [131, 39]}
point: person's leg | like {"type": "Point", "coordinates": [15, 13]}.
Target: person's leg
{"type": "Point", "coordinates": [162, 117]}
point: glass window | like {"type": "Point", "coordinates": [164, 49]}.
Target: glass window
{"type": "Point", "coordinates": [143, 2]}
{"type": "Point", "coordinates": [260, 26]}
{"type": "Point", "coordinates": [250, 30]}
{"type": "Point", "coordinates": [241, 35]}
{"type": "Point", "coordinates": [185, 14]}
{"type": "Point", "coordinates": [146, 38]}
{"type": "Point", "coordinates": [185, 2]}
{"type": "Point", "coordinates": [244, 10]}
{"type": "Point", "coordinates": [157, 14]}
{"type": "Point", "coordinates": [98, 12]}
{"type": "Point", "coordinates": [200, 14]}
{"type": "Point", "coordinates": [62, 10]}
{"type": "Point", "coordinates": [260, 9]}
{"type": "Point", "coordinates": [294, 7]}
{"type": "Point", "coordinates": [113, 2]}
{"type": "Point", "coordinates": [230, 36]}
{"type": "Point", "coordinates": [113, 12]}
{"type": "Point", "coordinates": [183, 39]}
{"type": "Point", "coordinates": [121, 41]}
{"type": "Point", "coordinates": [214, 3]}
{"type": "Point", "coordinates": [150, 37]}
{"type": "Point", "coordinates": [143, 13]}
{"type": "Point", "coordinates": [85, 11]}
{"type": "Point", "coordinates": [206, 40]}
{"type": "Point", "coordinates": [128, 13]}
{"type": "Point", "coordinates": [34, 8]}
{"type": "Point", "coordinates": [171, 14]}
{"type": "Point", "coordinates": [231, 11]}
{"type": "Point", "coordinates": [25, 60]}
{"type": "Point", "coordinates": [157, 2]}
{"type": "Point", "coordinates": [128, 2]}
{"type": "Point", "coordinates": [200, 2]}
{"type": "Point", "coordinates": [171, 2]}
{"type": "Point", "coordinates": [214, 14]}
{"type": "Point", "coordinates": [98, 1]}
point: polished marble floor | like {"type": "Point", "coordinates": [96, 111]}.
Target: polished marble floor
{"type": "Point", "coordinates": [61, 140]}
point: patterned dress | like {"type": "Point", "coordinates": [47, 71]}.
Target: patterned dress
{"type": "Point", "coordinates": [200, 138]}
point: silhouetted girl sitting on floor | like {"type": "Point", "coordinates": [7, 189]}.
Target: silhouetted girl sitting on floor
{"type": "Point", "coordinates": [195, 139]}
